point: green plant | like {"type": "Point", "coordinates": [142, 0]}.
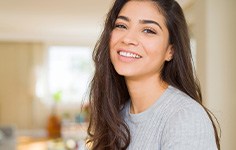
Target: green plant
{"type": "Point", "coordinates": [57, 96]}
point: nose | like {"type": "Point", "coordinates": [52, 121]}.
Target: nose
{"type": "Point", "coordinates": [131, 38]}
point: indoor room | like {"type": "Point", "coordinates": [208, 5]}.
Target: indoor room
{"type": "Point", "coordinates": [46, 67]}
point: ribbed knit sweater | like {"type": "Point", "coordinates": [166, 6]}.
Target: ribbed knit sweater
{"type": "Point", "coordinates": [174, 122]}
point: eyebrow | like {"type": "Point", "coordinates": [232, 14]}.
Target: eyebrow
{"type": "Point", "coordinates": [141, 21]}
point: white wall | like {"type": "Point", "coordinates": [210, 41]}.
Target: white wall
{"type": "Point", "coordinates": [215, 32]}
{"type": "Point", "coordinates": [15, 85]}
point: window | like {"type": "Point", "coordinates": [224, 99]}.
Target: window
{"type": "Point", "coordinates": [69, 72]}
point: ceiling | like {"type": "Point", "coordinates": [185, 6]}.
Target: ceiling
{"type": "Point", "coordinates": [60, 21]}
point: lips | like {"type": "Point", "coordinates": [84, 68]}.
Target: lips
{"type": "Point", "coordinates": [129, 54]}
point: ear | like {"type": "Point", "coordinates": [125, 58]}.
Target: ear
{"type": "Point", "coordinates": [169, 53]}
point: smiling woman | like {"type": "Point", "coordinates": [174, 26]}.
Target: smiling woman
{"type": "Point", "coordinates": [142, 34]}
{"type": "Point", "coordinates": [144, 93]}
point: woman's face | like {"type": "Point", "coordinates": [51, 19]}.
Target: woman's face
{"type": "Point", "coordinates": [139, 42]}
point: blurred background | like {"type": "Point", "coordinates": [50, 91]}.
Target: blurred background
{"type": "Point", "coordinates": [45, 68]}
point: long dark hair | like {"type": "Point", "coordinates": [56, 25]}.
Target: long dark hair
{"type": "Point", "coordinates": [109, 93]}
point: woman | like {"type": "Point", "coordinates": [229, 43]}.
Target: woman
{"type": "Point", "coordinates": [144, 95]}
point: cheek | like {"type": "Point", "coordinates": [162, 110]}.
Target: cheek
{"type": "Point", "coordinates": [113, 39]}
{"type": "Point", "coordinates": [116, 37]}
{"type": "Point", "coordinates": [112, 44]}
{"type": "Point", "coordinates": [113, 36]}
{"type": "Point", "coordinates": [155, 46]}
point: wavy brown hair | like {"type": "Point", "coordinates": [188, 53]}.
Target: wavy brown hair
{"type": "Point", "coordinates": [108, 94]}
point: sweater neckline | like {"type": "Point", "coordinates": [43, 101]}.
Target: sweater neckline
{"type": "Point", "coordinates": [142, 116]}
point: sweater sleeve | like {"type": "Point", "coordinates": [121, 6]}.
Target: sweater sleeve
{"type": "Point", "coordinates": [189, 129]}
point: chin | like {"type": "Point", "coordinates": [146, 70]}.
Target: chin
{"type": "Point", "coordinates": [126, 72]}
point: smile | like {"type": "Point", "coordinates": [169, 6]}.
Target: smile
{"type": "Point", "coordinates": [129, 54]}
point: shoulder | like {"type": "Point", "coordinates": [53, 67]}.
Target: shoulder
{"type": "Point", "coordinates": [185, 111]}
{"type": "Point", "coordinates": [188, 125]}
{"type": "Point", "coordinates": [181, 103]}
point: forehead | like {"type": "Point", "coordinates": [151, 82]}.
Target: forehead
{"type": "Point", "coordinates": [143, 9]}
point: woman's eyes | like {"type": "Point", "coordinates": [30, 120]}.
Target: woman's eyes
{"type": "Point", "coordinates": [145, 30]}
{"type": "Point", "coordinates": [120, 26]}
{"type": "Point", "coordinates": [151, 31]}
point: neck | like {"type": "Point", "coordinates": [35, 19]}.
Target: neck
{"type": "Point", "coordinates": [144, 92]}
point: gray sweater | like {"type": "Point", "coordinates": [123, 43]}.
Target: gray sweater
{"type": "Point", "coordinates": [174, 122]}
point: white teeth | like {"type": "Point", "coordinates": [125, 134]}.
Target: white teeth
{"type": "Point", "coordinates": [128, 54]}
